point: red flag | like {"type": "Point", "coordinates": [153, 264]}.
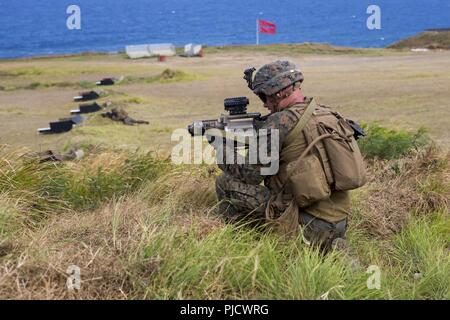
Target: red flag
{"type": "Point", "coordinates": [267, 27]}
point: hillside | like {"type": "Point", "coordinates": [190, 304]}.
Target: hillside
{"type": "Point", "coordinates": [430, 39]}
{"type": "Point", "coordinates": [140, 227]}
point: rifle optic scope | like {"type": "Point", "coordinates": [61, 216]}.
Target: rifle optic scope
{"type": "Point", "coordinates": [237, 105]}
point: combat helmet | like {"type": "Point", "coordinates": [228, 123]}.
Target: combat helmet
{"type": "Point", "coordinates": [273, 77]}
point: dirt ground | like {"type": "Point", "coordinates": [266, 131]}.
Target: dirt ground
{"type": "Point", "coordinates": [404, 90]}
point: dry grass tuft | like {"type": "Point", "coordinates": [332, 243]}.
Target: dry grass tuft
{"type": "Point", "coordinates": [418, 184]}
{"type": "Point", "coordinates": [107, 244]}
{"type": "Point", "coordinates": [102, 243]}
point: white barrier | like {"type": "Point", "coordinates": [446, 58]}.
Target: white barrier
{"type": "Point", "coordinates": [191, 50]}
{"type": "Point", "coordinates": [149, 50]}
{"type": "Point", "coordinates": [161, 49]}
{"type": "Point", "coordinates": [137, 51]}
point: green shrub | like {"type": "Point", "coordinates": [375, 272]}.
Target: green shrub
{"type": "Point", "coordinates": [33, 86]}
{"type": "Point", "coordinates": [384, 143]}
{"type": "Point", "coordinates": [167, 76]}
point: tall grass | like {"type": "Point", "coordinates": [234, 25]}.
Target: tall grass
{"type": "Point", "coordinates": [140, 227]}
{"type": "Point", "coordinates": [8, 216]}
{"type": "Point", "coordinates": [421, 251]}
{"type": "Point", "coordinates": [42, 189]}
{"type": "Point", "coordinates": [31, 185]}
{"type": "Point", "coordinates": [237, 263]}
{"type": "Point", "coordinates": [99, 178]}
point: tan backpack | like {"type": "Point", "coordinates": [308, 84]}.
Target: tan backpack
{"type": "Point", "coordinates": [332, 160]}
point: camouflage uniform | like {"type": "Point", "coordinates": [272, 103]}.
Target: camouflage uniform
{"type": "Point", "coordinates": [53, 156]}
{"type": "Point", "coordinates": [240, 184]}
{"type": "Point", "coordinates": [121, 115]}
{"type": "Point", "coordinates": [240, 187]}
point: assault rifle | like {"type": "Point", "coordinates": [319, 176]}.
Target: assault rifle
{"type": "Point", "coordinates": [238, 120]}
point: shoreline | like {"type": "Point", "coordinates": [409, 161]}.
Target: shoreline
{"type": "Point", "coordinates": [405, 44]}
{"type": "Point", "coordinates": [319, 46]}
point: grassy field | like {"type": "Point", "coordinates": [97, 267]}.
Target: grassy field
{"type": "Point", "coordinates": [139, 226]}
{"type": "Point", "coordinates": [399, 89]}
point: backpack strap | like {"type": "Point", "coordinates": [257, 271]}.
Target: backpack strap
{"type": "Point", "coordinates": [297, 130]}
{"type": "Point", "coordinates": [304, 118]}
{"type": "Point", "coordinates": [303, 113]}
{"type": "Point", "coordinates": [304, 153]}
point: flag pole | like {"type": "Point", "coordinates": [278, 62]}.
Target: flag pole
{"type": "Point", "coordinates": [257, 32]}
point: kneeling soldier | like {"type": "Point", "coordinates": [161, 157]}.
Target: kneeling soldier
{"type": "Point", "coordinates": [319, 161]}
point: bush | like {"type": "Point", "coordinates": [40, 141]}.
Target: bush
{"type": "Point", "coordinates": [384, 143]}
{"type": "Point", "coordinates": [168, 75]}
{"type": "Point", "coordinates": [33, 86]}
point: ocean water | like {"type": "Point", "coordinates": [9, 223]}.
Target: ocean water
{"type": "Point", "coordinates": [38, 27]}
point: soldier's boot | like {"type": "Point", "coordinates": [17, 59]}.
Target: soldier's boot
{"type": "Point", "coordinates": [141, 122]}
{"type": "Point", "coordinates": [341, 245]}
{"type": "Point", "coordinates": [321, 233]}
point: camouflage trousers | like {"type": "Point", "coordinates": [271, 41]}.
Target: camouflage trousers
{"type": "Point", "coordinates": [241, 201]}
{"type": "Point", "coordinates": [130, 121]}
